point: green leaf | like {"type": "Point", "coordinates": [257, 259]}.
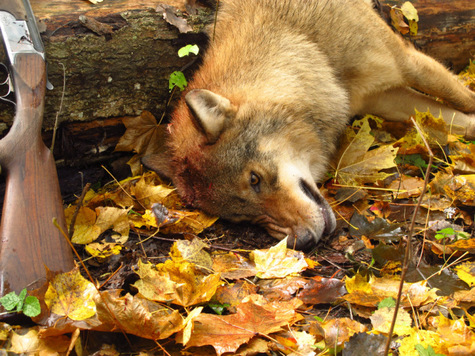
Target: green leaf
{"type": "Point", "coordinates": [177, 79]}
{"type": "Point", "coordinates": [10, 301]}
{"type": "Point", "coordinates": [219, 308]}
{"type": "Point", "coordinates": [387, 303]}
{"type": "Point", "coordinates": [31, 306]}
{"type": "Point", "coordinates": [442, 234]}
{"type": "Point", "coordinates": [21, 299]}
{"type": "Point", "coordinates": [426, 352]}
{"type": "Point", "coordinates": [185, 51]}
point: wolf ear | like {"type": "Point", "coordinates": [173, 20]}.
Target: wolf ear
{"type": "Point", "coordinates": [210, 110]}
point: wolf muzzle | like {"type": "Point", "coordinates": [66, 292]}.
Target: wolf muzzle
{"type": "Point", "coordinates": [320, 222]}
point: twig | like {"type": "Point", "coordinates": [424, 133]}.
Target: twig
{"type": "Point", "coordinates": [112, 275]}
{"type": "Point", "coordinates": [121, 187]}
{"type": "Point", "coordinates": [60, 108]}
{"type": "Point", "coordinates": [78, 206]}
{"type": "Point", "coordinates": [408, 252]}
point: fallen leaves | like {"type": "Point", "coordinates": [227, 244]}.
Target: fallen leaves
{"type": "Point", "coordinates": [358, 164]}
{"type": "Point", "coordinates": [129, 204]}
{"type": "Point", "coordinates": [227, 333]}
{"type": "Point", "coordinates": [176, 282]}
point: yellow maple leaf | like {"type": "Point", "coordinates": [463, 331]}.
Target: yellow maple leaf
{"type": "Point", "coordinates": [71, 295]}
{"type": "Point", "coordinates": [192, 251]}
{"type": "Point", "coordinates": [31, 343]}
{"type": "Point", "coordinates": [88, 229]}
{"type": "Point", "coordinates": [369, 292]}
{"type": "Point", "coordinates": [462, 188]}
{"type": "Point", "coordinates": [358, 164]}
{"type": "Point", "coordinates": [176, 282]}
{"type": "Point", "coordinates": [103, 250]}
{"type": "Point", "coordinates": [278, 261]}
{"type": "Point", "coordinates": [433, 128]}
{"type": "Point", "coordinates": [382, 318]}
{"type": "Point", "coordinates": [421, 337]}
{"type": "Point", "coordinates": [466, 272]}
{"type": "Point", "coordinates": [189, 221]}
{"type": "Point", "coordinates": [148, 192]}
{"type": "Point", "coordinates": [461, 156]}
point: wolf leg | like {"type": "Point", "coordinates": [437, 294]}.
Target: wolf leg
{"type": "Point", "coordinates": [399, 104]}
{"type": "Point", "coordinates": [429, 76]}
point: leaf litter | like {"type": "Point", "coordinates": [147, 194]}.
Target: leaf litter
{"type": "Point", "coordinates": [208, 294]}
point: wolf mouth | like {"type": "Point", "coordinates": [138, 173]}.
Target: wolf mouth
{"type": "Point", "coordinates": [322, 204]}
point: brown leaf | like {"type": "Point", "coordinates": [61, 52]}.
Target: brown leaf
{"type": "Point", "coordinates": [233, 266]}
{"type": "Point", "coordinates": [406, 187]}
{"type": "Point", "coordinates": [169, 14]}
{"type": "Point", "coordinates": [320, 290]}
{"type": "Point", "coordinates": [143, 135]}
{"type": "Point", "coordinates": [281, 288]}
{"type": "Point", "coordinates": [233, 294]}
{"type": "Point", "coordinates": [226, 333]}
{"type": "Point", "coordinates": [338, 331]}
{"type": "Point", "coordinates": [397, 20]}
{"type": "Point", "coordinates": [136, 315]}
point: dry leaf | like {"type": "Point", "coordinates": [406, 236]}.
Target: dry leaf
{"type": "Point", "coordinates": [176, 282]}
{"type": "Point", "coordinates": [233, 266]}
{"type": "Point", "coordinates": [370, 292]}
{"type": "Point", "coordinates": [382, 318]}
{"type": "Point", "coordinates": [358, 164]}
{"type": "Point", "coordinates": [137, 316]}
{"type": "Point", "coordinates": [71, 295]}
{"type": "Point", "coordinates": [278, 261]}
{"type": "Point", "coordinates": [226, 333]}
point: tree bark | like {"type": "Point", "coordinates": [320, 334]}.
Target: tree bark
{"type": "Point", "coordinates": [446, 30]}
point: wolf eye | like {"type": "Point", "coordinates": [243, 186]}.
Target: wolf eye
{"type": "Point", "coordinates": [255, 182]}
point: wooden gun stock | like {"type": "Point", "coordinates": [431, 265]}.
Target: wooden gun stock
{"type": "Point", "coordinates": [29, 239]}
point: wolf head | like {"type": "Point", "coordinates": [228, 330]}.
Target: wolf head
{"type": "Point", "coordinates": [250, 161]}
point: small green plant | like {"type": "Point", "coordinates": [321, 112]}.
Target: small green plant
{"type": "Point", "coordinates": [448, 232]}
{"type": "Point", "coordinates": [387, 303]}
{"type": "Point", "coordinates": [177, 78]}
{"type": "Point", "coordinates": [219, 308]}
{"type": "Point", "coordinates": [426, 352]}
{"type": "Point", "coordinates": [187, 50]}
{"type": "Point", "coordinates": [28, 305]}
{"type": "Point", "coordinates": [413, 159]}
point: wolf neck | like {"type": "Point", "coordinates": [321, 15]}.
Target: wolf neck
{"type": "Point", "coordinates": [249, 61]}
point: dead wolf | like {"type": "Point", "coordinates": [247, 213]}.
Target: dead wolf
{"type": "Point", "coordinates": [260, 120]}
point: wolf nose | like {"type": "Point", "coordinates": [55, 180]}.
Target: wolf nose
{"type": "Point", "coordinates": [303, 241]}
{"type": "Point", "coordinates": [323, 208]}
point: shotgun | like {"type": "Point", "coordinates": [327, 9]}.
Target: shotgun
{"type": "Point", "coordinates": [29, 241]}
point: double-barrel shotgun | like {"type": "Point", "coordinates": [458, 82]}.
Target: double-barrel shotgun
{"type": "Point", "coordinates": [29, 241]}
